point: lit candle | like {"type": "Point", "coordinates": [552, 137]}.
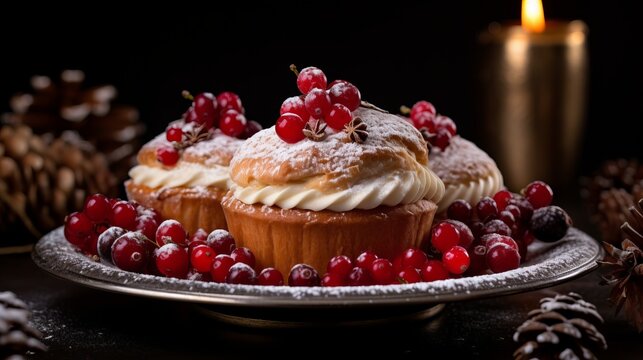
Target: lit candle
{"type": "Point", "coordinates": [534, 78]}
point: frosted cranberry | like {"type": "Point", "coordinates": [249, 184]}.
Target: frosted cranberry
{"type": "Point", "coordinates": [171, 231]}
{"type": "Point", "coordinates": [466, 236]}
{"type": "Point", "coordinates": [359, 277]}
{"type": "Point", "coordinates": [206, 109]}
{"type": "Point", "coordinates": [221, 241]}
{"type": "Point", "coordinates": [413, 258]}
{"type": "Point", "coordinates": [345, 93]}
{"type": "Point", "coordinates": [229, 100]}
{"type": "Point", "coordinates": [97, 208]}
{"type": "Point", "coordinates": [241, 273]}
{"type": "Point", "coordinates": [318, 103]}
{"type": "Point", "coordinates": [243, 255]}
{"type": "Point", "coordinates": [340, 265]}
{"type": "Point", "coordinates": [382, 272]}
{"type": "Point", "coordinates": [270, 277]}
{"type": "Point", "coordinates": [365, 260]}
{"type": "Point", "coordinates": [492, 240]}
{"type": "Point", "coordinates": [129, 252]}
{"type": "Point", "coordinates": [434, 270]}
{"type": "Point", "coordinates": [526, 209]}
{"type": "Point", "coordinates": [290, 128]}
{"type": "Point", "coordinates": [422, 106]}
{"type": "Point", "coordinates": [338, 117]}
{"type": "Point", "coordinates": [199, 235]}
{"type": "Point", "coordinates": [220, 267]}
{"type": "Point", "coordinates": [460, 210]}
{"type": "Point", "coordinates": [539, 194]}
{"type": "Point", "coordinates": [486, 209]}
{"type": "Point", "coordinates": [445, 123]}
{"type": "Point", "coordinates": [332, 279]}
{"type": "Point", "coordinates": [507, 217]}
{"type": "Point", "coordinates": [106, 240]}
{"type": "Point", "coordinates": [442, 139]}
{"type": "Point", "coordinates": [190, 116]}
{"type": "Point", "coordinates": [174, 134]}
{"type": "Point", "coordinates": [295, 105]}
{"type": "Point", "coordinates": [502, 257]}
{"type": "Point", "coordinates": [78, 228]}
{"type": "Point", "coordinates": [202, 257]}
{"type": "Point", "coordinates": [409, 276]}
{"type": "Point", "coordinates": [147, 226]}
{"type": "Point", "coordinates": [252, 127]}
{"type": "Point", "coordinates": [167, 155]}
{"type": "Point", "coordinates": [232, 123]}
{"type": "Point", "coordinates": [426, 121]}
{"type": "Point", "coordinates": [172, 261]}
{"type": "Point", "coordinates": [496, 226]}
{"type": "Point", "coordinates": [515, 211]}
{"type": "Point", "coordinates": [444, 236]}
{"type": "Point", "coordinates": [303, 275]}
{"type": "Point", "coordinates": [311, 78]}
{"type": "Point", "coordinates": [502, 199]}
{"type": "Point", "coordinates": [550, 223]}
{"type": "Point", "coordinates": [456, 260]}
{"type": "Point", "coordinates": [124, 215]}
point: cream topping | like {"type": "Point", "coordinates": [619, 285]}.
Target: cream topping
{"type": "Point", "coordinates": [183, 175]}
{"type": "Point", "coordinates": [472, 191]}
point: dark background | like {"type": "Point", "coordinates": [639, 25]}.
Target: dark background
{"type": "Point", "coordinates": [396, 54]}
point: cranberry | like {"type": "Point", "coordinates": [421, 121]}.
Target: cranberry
{"type": "Point", "coordinates": [332, 279]}
{"type": "Point", "coordinates": [359, 277]}
{"type": "Point", "coordinates": [229, 100]}
{"type": "Point", "coordinates": [205, 107]}
{"type": "Point", "coordinates": [496, 226]}
{"type": "Point", "coordinates": [294, 105]}
{"type": "Point", "coordinates": [486, 209]}
{"type": "Point", "coordinates": [502, 199]}
{"type": "Point", "coordinates": [106, 240]}
{"type": "Point", "coordinates": [271, 277]}
{"type": "Point", "coordinates": [78, 228]}
{"type": "Point", "coordinates": [492, 240]}
{"type": "Point", "coordinates": [539, 194]}
{"type": "Point", "coordinates": [129, 252]}
{"type": "Point", "coordinates": [445, 123]}
{"type": "Point", "coordinates": [241, 273]}
{"type": "Point", "coordinates": [232, 123]}
{"type": "Point", "coordinates": [221, 241]}
{"type": "Point", "coordinates": [318, 103]}
{"type": "Point", "coordinates": [190, 116]}
{"type": "Point", "coordinates": [338, 117]}
{"type": "Point", "coordinates": [167, 155]}
{"type": "Point", "coordinates": [397, 263]}
{"type": "Point", "coordinates": [526, 209]}
{"type": "Point", "coordinates": [434, 270]}
{"type": "Point", "coordinates": [460, 210]}
{"type": "Point", "coordinates": [466, 236]}
{"type": "Point", "coordinates": [340, 265]}
{"type": "Point", "coordinates": [124, 215]}
{"type": "Point", "coordinates": [442, 139]}
{"type": "Point", "coordinates": [220, 267]}
{"type": "Point", "coordinates": [413, 258]}
{"type": "Point", "coordinates": [420, 107]}
{"type": "Point", "coordinates": [171, 231]}
{"type": "Point", "coordinates": [502, 257]}
{"type": "Point", "coordinates": [252, 127]}
{"type": "Point", "coordinates": [290, 128]}
{"type": "Point", "coordinates": [345, 93]}
{"type": "Point", "coordinates": [174, 134]}
{"type": "Point", "coordinates": [199, 235]}
{"type": "Point", "coordinates": [478, 263]}
{"type": "Point", "coordinates": [515, 211]}
{"type": "Point", "coordinates": [444, 236]}
{"type": "Point", "coordinates": [91, 246]}
{"type": "Point", "coordinates": [194, 244]}
{"type": "Point", "coordinates": [382, 271]}
{"type": "Point", "coordinates": [243, 255]}
{"type": "Point", "coordinates": [303, 275]}
{"type": "Point", "coordinates": [311, 78]}
{"type": "Point", "coordinates": [426, 121]}
{"type": "Point", "coordinates": [477, 228]}
{"type": "Point", "coordinates": [456, 260]}
{"type": "Point", "coordinates": [147, 226]}
{"type": "Point", "coordinates": [507, 217]}
{"type": "Point", "coordinates": [549, 223]}
{"type": "Point", "coordinates": [365, 260]}
{"type": "Point", "coordinates": [409, 276]}
{"type": "Point", "coordinates": [172, 261]}
{"type": "Point", "coordinates": [201, 258]}
{"type": "Point", "coordinates": [97, 208]}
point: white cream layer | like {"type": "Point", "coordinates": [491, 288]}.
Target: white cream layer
{"type": "Point", "coordinates": [400, 187]}
{"type": "Point", "coordinates": [472, 192]}
{"type": "Point", "coordinates": [182, 175]}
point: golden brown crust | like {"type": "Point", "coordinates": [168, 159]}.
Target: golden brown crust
{"type": "Point", "coordinates": [462, 162]}
{"type": "Point", "coordinates": [193, 207]}
{"type": "Point", "coordinates": [282, 238]}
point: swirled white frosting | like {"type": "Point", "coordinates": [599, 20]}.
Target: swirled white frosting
{"type": "Point", "coordinates": [184, 175]}
{"type": "Point", "coordinates": [399, 187]}
{"type": "Point", "coordinates": [472, 191]}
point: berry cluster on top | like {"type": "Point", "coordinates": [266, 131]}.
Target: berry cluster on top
{"type": "Point", "coordinates": [437, 129]}
{"type": "Point", "coordinates": [320, 105]}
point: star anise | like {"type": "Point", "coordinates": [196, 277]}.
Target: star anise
{"type": "Point", "coordinates": [192, 137]}
{"type": "Point", "coordinates": [316, 131]}
{"type": "Point", "coordinates": [356, 130]}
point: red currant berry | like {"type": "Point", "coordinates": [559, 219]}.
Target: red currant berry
{"type": "Point", "coordinates": [340, 265]}
{"type": "Point", "coordinates": [124, 215]}
{"type": "Point", "coordinates": [243, 255]}
{"type": "Point", "coordinates": [425, 120]}
{"type": "Point", "coordinates": [229, 100]}
{"type": "Point", "coordinates": [413, 258]}
{"type": "Point", "coordinates": [172, 261]}
{"type": "Point", "coordinates": [252, 127]}
{"type": "Point", "coordinates": [466, 236]}
{"type": "Point", "coordinates": [270, 277]}
{"type": "Point", "coordinates": [502, 257]}
{"type": "Point", "coordinates": [332, 279]}
{"type": "Point", "coordinates": [539, 194]}
{"type": "Point", "coordinates": [303, 275]}
{"type": "Point", "coordinates": [345, 93]}
{"type": "Point", "coordinates": [382, 272]}
{"type": "Point", "coordinates": [194, 244]}
{"type": "Point", "coordinates": [444, 236]}
{"type": "Point", "coordinates": [502, 199]}
{"type": "Point", "coordinates": [106, 240]}
{"type": "Point", "coordinates": [365, 260]}
{"type": "Point", "coordinates": [174, 134]}
{"type": "Point", "coordinates": [232, 123]}
{"type": "Point", "coordinates": [167, 155]}
{"type": "Point", "coordinates": [311, 78]}
{"type": "Point", "coordinates": [444, 122]}
{"type": "Point", "coordinates": [442, 139]}
{"type": "Point", "coordinates": [220, 267]}
{"type": "Point", "coordinates": [338, 117]}
{"type": "Point", "coordinates": [295, 105]}
{"type": "Point", "coordinates": [422, 106]}
{"type": "Point", "coordinates": [190, 116]}
{"type": "Point", "coordinates": [129, 252]}
{"type": "Point", "coordinates": [318, 103]}
{"type": "Point", "coordinates": [456, 260]}
{"type": "Point", "coordinates": [434, 270]}
{"type": "Point", "coordinates": [171, 231]}
{"type": "Point", "coordinates": [199, 235]}
{"type": "Point", "coordinates": [290, 128]}
{"type": "Point", "coordinates": [97, 208]}
{"type": "Point", "coordinates": [201, 258]}
{"type": "Point", "coordinates": [147, 226]}
{"type": "Point", "coordinates": [359, 277]}
{"type": "Point", "coordinates": [409, 276]}
{"type": "Point", "coordinates": [241, 273]}
{"type": "Point", "coordinates": [496, 226]}
{"type": "Point", "coordinates": [221, 241]}
{"type": "Point", "coordinates": [460, 210]}
{"type": "Point", "coordinates": [486, 209]}
{"type": "Point", "coordinates": [77, 229]}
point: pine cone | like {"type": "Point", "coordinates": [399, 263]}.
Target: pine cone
{"type": "Point", "coordinates": [42, 179]}
{"type": "Point", "coordinates": [564, 327]}
{"type": "Point", "coordinates": [55, 108]}
{"type": "Point", "coordinates": [17, 336]}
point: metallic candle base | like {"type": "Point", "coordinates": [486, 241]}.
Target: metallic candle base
{"type": "Point", "coordinates": [533, 91]}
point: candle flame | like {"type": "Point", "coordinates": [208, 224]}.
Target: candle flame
{"type": "Point", "coordinates": [533, 16]}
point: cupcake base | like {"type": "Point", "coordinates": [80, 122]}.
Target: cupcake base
{"type": "Point", "coordinates": [282, 238]}
{"type": "Point", "coordinates": [193, 207]}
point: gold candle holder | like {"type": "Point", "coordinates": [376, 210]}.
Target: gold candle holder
{"type": "Point", "coordinates": [533, 99]}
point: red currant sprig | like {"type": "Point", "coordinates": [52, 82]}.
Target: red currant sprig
{"type": "Point", "coordinates": [437, 129]}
